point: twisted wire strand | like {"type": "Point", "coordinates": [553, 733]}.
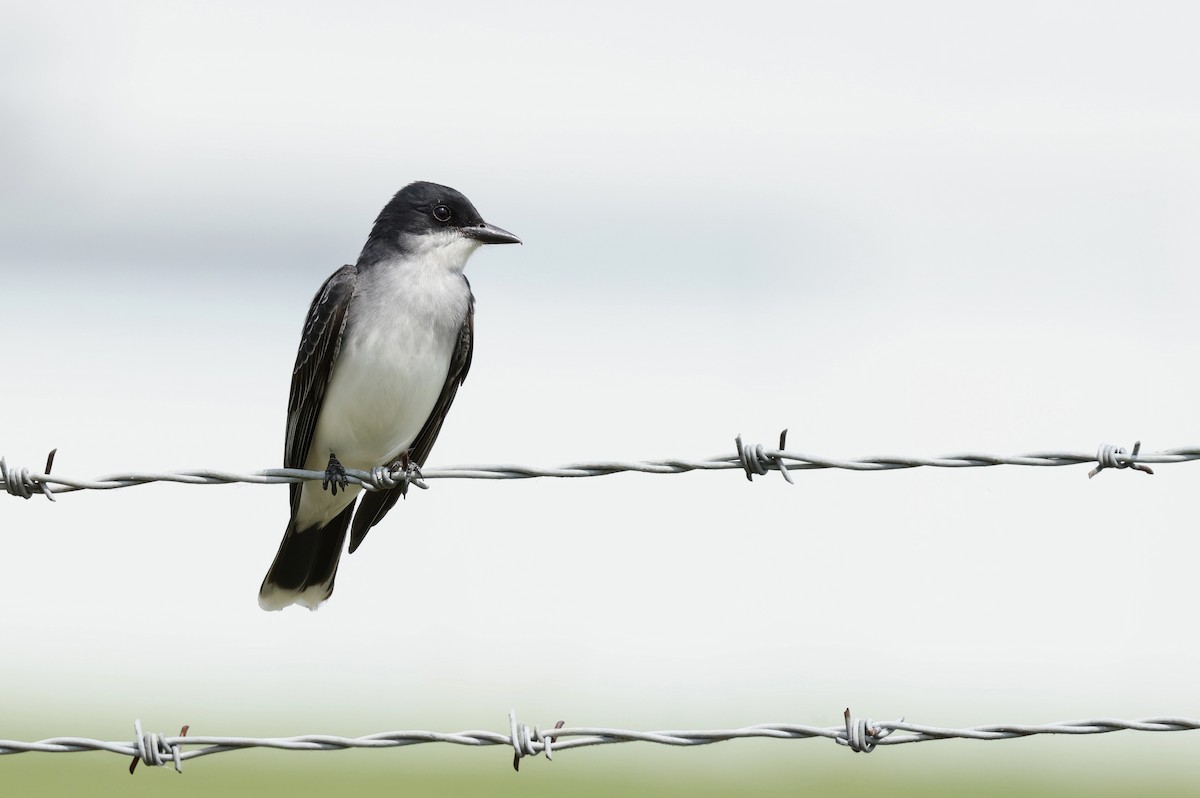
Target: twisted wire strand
{"type": "Point", "coordinates": [859, 735]}
{"type": "Point", "coordinates": [752, 460]}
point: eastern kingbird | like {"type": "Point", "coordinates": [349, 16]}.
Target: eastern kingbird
{"type": "Point", "coordinates": [385, 346]}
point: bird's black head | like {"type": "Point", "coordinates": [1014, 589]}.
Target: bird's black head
{"type": "Point", "coordinates": [428, 209]}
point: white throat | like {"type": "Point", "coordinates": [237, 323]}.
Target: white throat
{"type": "Point", "coordinates": [443, 250]}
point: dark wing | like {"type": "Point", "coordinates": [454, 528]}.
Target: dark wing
{"type": "Point", "coordinates": [375, 505]}
{"type": "Point", "coordinates": [319, 346]}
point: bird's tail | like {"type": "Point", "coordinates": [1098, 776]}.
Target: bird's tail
{"type": "Point", "coordinates": [305, 564]}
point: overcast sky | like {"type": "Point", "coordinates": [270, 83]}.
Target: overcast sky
{"type": "Point", "coordinates": [910, 228]}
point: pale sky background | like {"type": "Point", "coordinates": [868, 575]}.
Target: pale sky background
{"type": "Point", "coordinates": [912, 228]}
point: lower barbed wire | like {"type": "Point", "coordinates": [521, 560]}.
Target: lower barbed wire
{"type": "Point", "coordinates": [859, 735]}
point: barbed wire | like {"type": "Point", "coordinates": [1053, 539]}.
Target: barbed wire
{"type": "Point", "coordinates": [752, 459]}
{"type": "Point", "coordinates": [860, 735]}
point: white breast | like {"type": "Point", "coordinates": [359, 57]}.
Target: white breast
{"type": "Point", "coordinates": [403, 328]}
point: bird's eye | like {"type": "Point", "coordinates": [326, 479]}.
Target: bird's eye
{"type": "Point", "coordinates": [441, 213]}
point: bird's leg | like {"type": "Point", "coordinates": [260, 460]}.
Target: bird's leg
{"type": "Point", "coordinates": [412, 473]}
{"type": "Point", "coordinates": [335, 475]}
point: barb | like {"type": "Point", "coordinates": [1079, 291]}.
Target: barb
{"type": "Point", "coordinates": [1110, 456]}
{"type": "Point", "coordinates": [858, 735]}
{"type": "Point", "coordinates": [19, 482]}
{"type": "Point", "coordinates": [151, 749]}
{"type": "Point", "coordinates": [749, 458]}
{"type": "Point", "coordinates": [863, 735]}
{"type": "Point", "coordinates": [756, 461]}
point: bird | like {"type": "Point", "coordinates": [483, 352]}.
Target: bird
{"type": "Point", "coordinates": [385, 346]}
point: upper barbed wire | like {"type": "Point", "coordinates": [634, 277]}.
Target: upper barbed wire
{"type": "Point", "coordinates": [751, 459]}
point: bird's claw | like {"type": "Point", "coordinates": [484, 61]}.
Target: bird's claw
{"type": "Point", "coordinates": [335, 476]}
{"type": "Point", "coordinates": [411, 474]}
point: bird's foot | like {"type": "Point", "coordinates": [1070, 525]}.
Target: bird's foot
{"type": "Point", "coordinates": [411, 473]}
{"type": "Point", "coordinates": [335, 476]}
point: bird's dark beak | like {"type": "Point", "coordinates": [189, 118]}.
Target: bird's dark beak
{"type": "Point", "coordinates": [490, 234]}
